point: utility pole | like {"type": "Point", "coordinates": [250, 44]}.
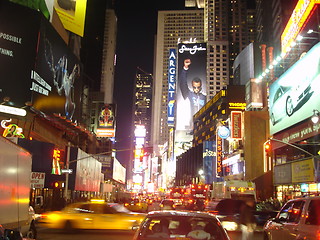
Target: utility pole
{"type": "Point", "coordinates": [67, 173]}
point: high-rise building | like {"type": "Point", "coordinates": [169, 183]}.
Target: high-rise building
{"type": "Point", "coordinates": [142, 102]}
{"type": "Point", "coordinates": [173, 27]}
{"type": "Point", "coordinates": [109, 56]}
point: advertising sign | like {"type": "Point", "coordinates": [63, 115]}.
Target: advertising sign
{"type": "Point", "coordinates": [19, 28]}
{"type": "Point", "coordinates": [209, 159]}
{"type": "Point", "coordinates": [171, 85]}
{"type": "Point", "coordinates": [219, 171]}
{"type": "Point", "coordinates": [303, 171]}
{"type": "Point", "coordinates": [88, 173]}
{"type": "Point", "coordinates": [294, 96]}
{"type": "Point", "coordinates": [119, 172]}
{"type": "Point", "coordinates": [56, 83]}
{"type": "Point", "coordinates": [72, 14]}
{"type": "Point", "coordinates": [37, 179]}
{"type": "Point", "coordinates": [106, 121]}
{"type": "Point", "coordinates": [236, 124]}
{"type": "Point", "coordinates": [191, 88]}
{"type": "Point", "coordinates": [298, 19]}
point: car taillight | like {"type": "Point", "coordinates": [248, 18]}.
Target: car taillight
{"type": "Point", "coordinates": [126, 204]}
{"type": "Point", "coordinates": [318, 235]}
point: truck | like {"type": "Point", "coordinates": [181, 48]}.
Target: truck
{"type": "Point", "coordinates": [15, 211]}
{"type": "Point", "coordinates": [234, 189]}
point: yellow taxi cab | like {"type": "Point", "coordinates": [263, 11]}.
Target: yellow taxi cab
{"type": "Point", "coordinates": [95, 214]}
{"type": "Point", "coordinates": [137, 205]}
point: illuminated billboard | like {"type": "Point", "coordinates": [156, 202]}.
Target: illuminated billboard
{"type": "Point", "coordinates": [72, 14]}
{"type": "Point", "coordinates": [106, 120]}
{"type": "Point", "coordinates": [191, 87]}
{"type": "Point", "coordinates": [294, 96]}
{"type": "Point", "coordinates": [296, 22]}
{"type": "Point", "coordinates": [171, 85]}
{"type": "Point", "coordinates": [55, 80]}
{"type": "Point", "coordinates": [19, 28]}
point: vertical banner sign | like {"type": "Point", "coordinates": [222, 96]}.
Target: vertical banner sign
{"type": "Point", "coordinates": [236, 124]}
{"type": "Point", "coordinates": [209, 158]}
{"type": "Point", "coordinates": [219, 157]}
{"type": "Point", "coordinates": [171, 85]}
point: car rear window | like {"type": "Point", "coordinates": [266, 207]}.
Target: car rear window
{"type": "Point", "coordinates": [313, 213]}
{"type": "Point", "coordinates": [179, 227]}
{"type": "Point", "coordinates": [228, 206]}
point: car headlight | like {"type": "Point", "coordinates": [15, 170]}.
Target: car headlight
{"type": "Point", "coordinates": [229, 226]}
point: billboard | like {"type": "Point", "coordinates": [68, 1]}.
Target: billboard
{"type": "Point", "coordinates": [19, 28]}
{"type": "Point", "coordinates": [106, 120]}
{"type": "Point", "coordinates": [297, 21]}
{"type": "Point", "coordinates": [209, 160]}
{"type": "Point", "coordinates": [72, 14]}
{"type": "Point", "coordinates": [294, 96]}
{"type": "Point", "coordinates": [56, 83]}
{"type": "Point", "coordinates": [191, 87]}
{"type": "Point", "coordinates": [171, 85]}
{"type": "Point", "coordinates": [88, 173]}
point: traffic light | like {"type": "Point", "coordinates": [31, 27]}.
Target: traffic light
{"type": "Point", "coordinates": [267, 148]}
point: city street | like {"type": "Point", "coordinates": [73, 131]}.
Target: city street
{"type": "Point", "coordinates": [48, 234]}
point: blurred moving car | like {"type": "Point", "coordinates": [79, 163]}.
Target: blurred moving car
{"type": "Point", "coordinates": [180, 225]}
{"type": "Point", "coordinates": [298, 219]}
{"type": "Point", "coordinates": [228, 212]}
{"type": "Point", "coordinates": [137, 205]}
{"type": "Point", "coordinates": [167, 204]}
{"type": "Point", "coordinates": [95, 214]}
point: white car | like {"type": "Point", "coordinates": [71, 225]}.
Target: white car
{"type": "Point", "coordinates": [287, 99]}
{"type": "Point", "coordinates": [297, 219]}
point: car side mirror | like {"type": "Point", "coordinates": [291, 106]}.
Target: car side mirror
{"type": "Point", "coordinates": [11, 235]}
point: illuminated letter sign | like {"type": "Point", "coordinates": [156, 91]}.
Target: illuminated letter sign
{"type": "Point", "coordinates": [236, 124]}
{"type": "Point", "coordinates": [296, 22]}
{"type": "Point", "coordinates": [219, 157]}
{"type": "Point", "coordinates": [171, 85]}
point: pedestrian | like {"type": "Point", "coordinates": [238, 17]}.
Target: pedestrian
{"type": "Point", "coordinates": [247, 219]}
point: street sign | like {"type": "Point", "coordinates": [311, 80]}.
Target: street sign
{"type": "Point", "coordinates": [69, 171]}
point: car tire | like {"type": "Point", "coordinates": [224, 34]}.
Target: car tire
{"type": "Point", "coordinates": [32, 233]}
{"type": "Point", "coordinates": [68, 227]}
{"type": "Point", "coordinates": [289, 106]}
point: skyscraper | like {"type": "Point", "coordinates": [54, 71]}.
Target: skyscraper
{"type": "Point", "coordinates": [173, 27]}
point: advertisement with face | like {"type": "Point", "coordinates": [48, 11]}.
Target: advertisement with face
{"type": "Point", "coordinates": [56, 83]}
{"type": "Point", "coordinates": [18, 39]}
{"type": "Point", "coordinates": [191, 87]}
{"type": "Point", "coordinates": [294, 96]}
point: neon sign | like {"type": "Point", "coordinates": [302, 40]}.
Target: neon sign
{"type": "Point", "coordinates": [56, 158]}
{"type": "Point", "coordinates": [12, 130]}
{"type": "Point", "coordinates": [171, 85]}
{"type": "Point", "coordinates": [296, 22]}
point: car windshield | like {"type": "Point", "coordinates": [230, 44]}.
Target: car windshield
{"type": "Point", "coordinates": [181, 227]}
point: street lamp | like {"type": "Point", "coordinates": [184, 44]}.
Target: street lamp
{"type": "Point", "coordinates": [315, 116]}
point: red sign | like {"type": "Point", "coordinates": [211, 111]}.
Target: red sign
{"type": "Point", "coordinates": [236, 124]}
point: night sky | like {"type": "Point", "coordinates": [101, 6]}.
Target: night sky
{"type": "Point", "coordinates": [137, 26]}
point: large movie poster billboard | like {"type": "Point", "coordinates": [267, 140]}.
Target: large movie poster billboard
{"type": "Point", "coordinates": [18, 40]}
{"type": "Point", "coordinates": [56, 83]}
{"type": "Point", "coordinates": [191, 87]}
{"type": "Point", "coordinates": [294, 96]}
